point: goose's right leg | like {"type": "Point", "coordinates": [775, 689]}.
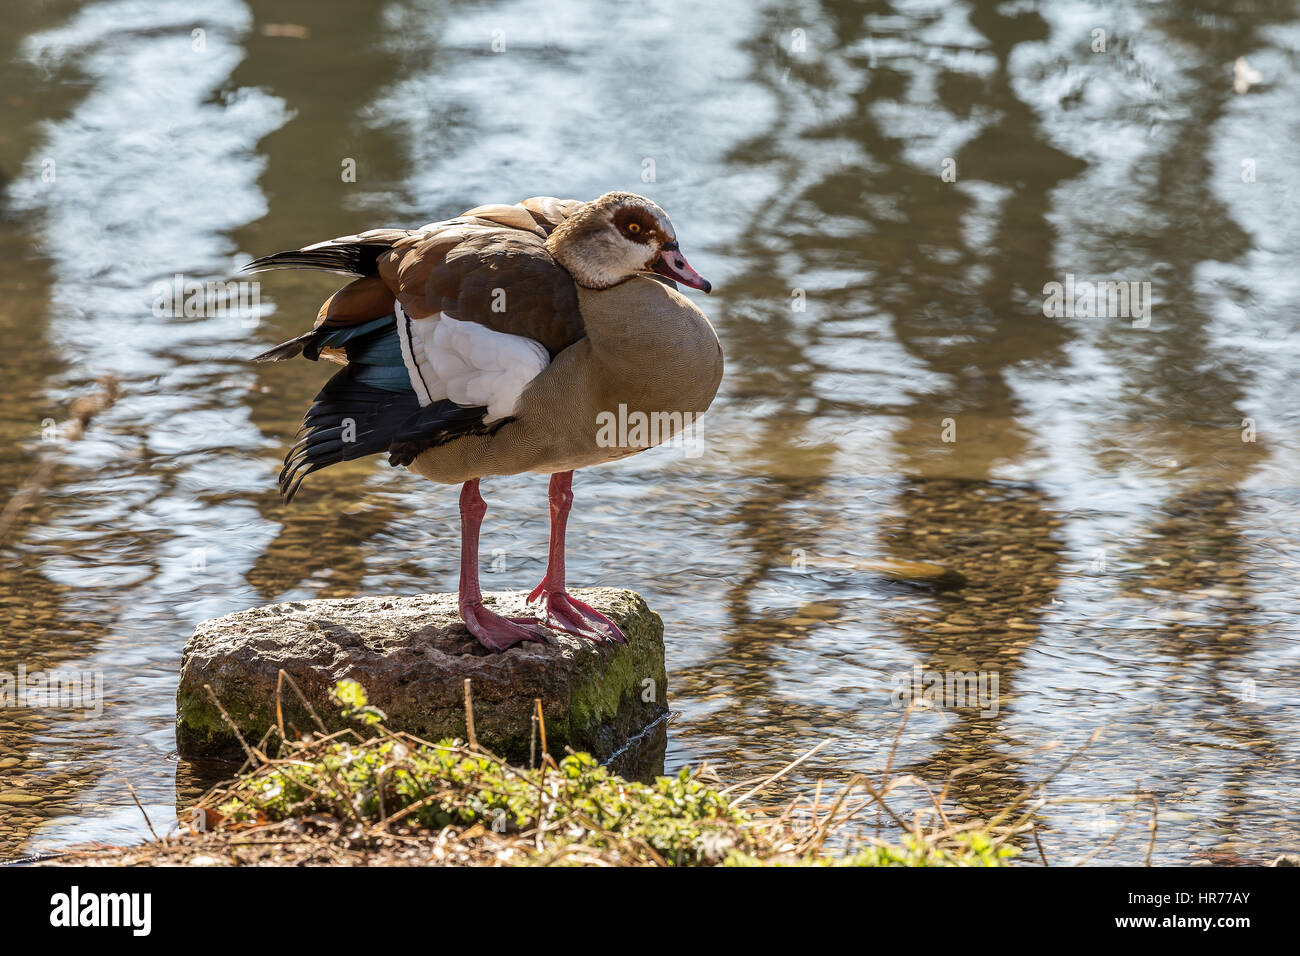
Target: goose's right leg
{"type": "Point", "coordinates": [493, 631]}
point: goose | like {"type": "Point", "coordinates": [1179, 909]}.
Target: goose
{"type": "Point", "coordinates": [496, 343]}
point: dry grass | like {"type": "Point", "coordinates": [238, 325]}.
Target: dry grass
{"type": "Point", "coordinates": [373, 796]}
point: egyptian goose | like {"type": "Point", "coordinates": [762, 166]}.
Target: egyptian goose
{"type": "Point", "coordinates": [492, 344]}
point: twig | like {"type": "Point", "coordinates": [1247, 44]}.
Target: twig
{"type": "Point", "coordinates": [279, 712]}
{"type": "Point", "coordinates": [1039, 843]}
{"type": "Point", "coordinates": [1029, 791]}
{"type": "Point", "coordinates": [541, 723]}
{"type": "Point", "coordinates": [532, 744]}
{"type": "Point", "coordinates": [893, 749]}
{"type": "Point", "coordinates": [819, 835]}
{"type": "Point", "coordinates": [80, 414]}
{"type": "Point", "coordinates": [469, 715]}
{"type": "Point", "coordinates": [541, 776]}
{"type": "Point", "coordinates": [1113, 837]}
{"type": "Point", "coordinates": [767, 781]}
{"type": "Point", "coordinates": [880, 800]}
{"type": "Point", "coordinates": [1155, 815]}
{"type": "Point", "coordinates": [305, 702]}
{"type": "Point", "coordinates": [252, 754]}
{"type": "Point", "coordinates": [142, 811]}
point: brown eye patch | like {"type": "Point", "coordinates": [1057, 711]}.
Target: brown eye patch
{"type": "Point", "coordinates": [637, 223]}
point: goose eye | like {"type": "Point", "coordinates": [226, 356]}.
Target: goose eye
{"type": "Point", "coordinates": [633, 227]}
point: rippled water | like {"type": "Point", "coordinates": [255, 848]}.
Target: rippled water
{"type": "Point", "coordinates": [1131, 560]}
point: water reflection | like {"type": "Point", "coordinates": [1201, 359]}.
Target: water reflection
{"type": "Point", "coordinates": [894, 389]}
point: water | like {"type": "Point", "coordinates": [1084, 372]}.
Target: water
{"type": "Point", "coordinates": [1130, 558]}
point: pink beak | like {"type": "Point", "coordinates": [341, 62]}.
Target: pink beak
{"type": "Point", "coordinates": [673, 264]}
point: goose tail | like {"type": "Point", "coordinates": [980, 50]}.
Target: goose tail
{"type": "Point", "coordinates": [356, 256]}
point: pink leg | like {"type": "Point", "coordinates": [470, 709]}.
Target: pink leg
{"type": "Point", "coordinates": [492, 630]}
{"type": "Point", "coordinates": [563, 612]}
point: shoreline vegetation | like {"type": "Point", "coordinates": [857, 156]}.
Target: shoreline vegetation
{"type": "Point", "coordinates": [372, 796]}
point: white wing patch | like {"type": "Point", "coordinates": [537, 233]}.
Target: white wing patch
{"type": "Point", "coordinates": [468, 363]}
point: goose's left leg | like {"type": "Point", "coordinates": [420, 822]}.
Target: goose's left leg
{"type": "Point", "coordinates": [564, 612]}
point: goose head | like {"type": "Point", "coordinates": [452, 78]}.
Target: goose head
{"type": "Point", "coordinates": [618, 236]}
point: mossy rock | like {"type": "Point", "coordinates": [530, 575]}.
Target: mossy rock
{"type": "Point", "coordinates": [412, 656]}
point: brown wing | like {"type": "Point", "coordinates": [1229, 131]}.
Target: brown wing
{"type": "Point", "coordinates": [515, 217]}
{"type": "Point", "coordinates": [357, 302]}
{"type": "Point", "coordinates": [489, 266]}
{"type": "Point", "coordinates": [502, 278]}
{"type": "Point", "coordinates": [548, 212]}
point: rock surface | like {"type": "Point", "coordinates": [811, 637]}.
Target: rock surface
{"type": "Point", "coordinates": [412, 655]}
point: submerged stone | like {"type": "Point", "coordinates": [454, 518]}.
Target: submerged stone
{"type": "Point", "coordinates": [412, 656]}
{"type": "Point", "coordinates": [916, 572]}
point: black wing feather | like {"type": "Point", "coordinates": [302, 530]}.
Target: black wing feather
{"type": "Point", "coordinates": [357, 259]}
{"type": "Point", "coordinates": [351, 419]}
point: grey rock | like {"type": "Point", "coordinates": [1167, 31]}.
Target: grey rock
{"type": "Point", "coordinates": [412, 655]}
